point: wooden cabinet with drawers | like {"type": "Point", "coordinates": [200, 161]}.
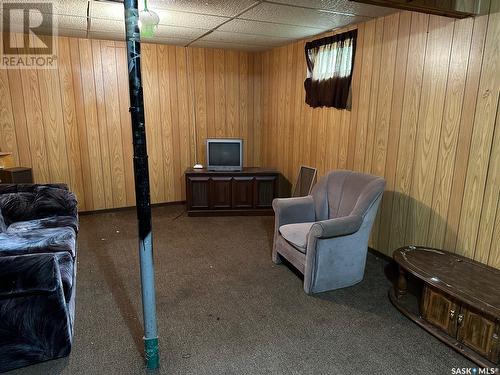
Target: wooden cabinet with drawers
{"type": "Point", "coordinates": [468, 327]}
{"type": "Point", "coordinates": [459, 300]}
{"type": "Point", "coordinates": [247, 192]}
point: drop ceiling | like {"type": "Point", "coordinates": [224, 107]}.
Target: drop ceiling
{"type": "Point", "coordinates": [236, 24]}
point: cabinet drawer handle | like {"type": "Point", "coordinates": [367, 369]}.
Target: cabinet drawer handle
{"type": "Point", "coordinates": [460, 318]}
{"type": "Point", "coordinates": [452, 314]}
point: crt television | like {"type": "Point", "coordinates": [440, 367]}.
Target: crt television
{"type": "Point", "coordinates": [224, 154]}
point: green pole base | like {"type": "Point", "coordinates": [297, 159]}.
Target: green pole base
{"type": "Point", "coordinates": [152, 354]}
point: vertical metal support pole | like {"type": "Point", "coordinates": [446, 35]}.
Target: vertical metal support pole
{"type": "Point", "coordinates": [141, 174]}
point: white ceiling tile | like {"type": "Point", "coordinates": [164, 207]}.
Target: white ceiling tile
{"type": "Point", "coordinates": [62, 17]}
{"type": "Point", "coordinates": [44, 7]}
{"type": "Point", "coordinates": [269, 29]}
{"type": "Point", "coordinates": [299, 16]}
{"type": "Point", "coordinates": [107, 10]}
{"type": "Point", "coordinates": [72, 33]}
{"type": "Point", "coordinates": [70, 22]}
{"type": "Point", "coordinates": [200, 21]}
{"type": "Point", "coordinates": [251, 39]}
{"type": "Point", "coordinates": [162, 31]}
{"type": "Point", "coordinates": [109, 26]}
{"type": "Point", "coordinates": [178, 32]}
{"type": "Point", "coordinates": [343, 6]}
{"type": "Point", "coordinates": [227, 8]}
{"type": "Point", "coordinates": [114, 11]}
{"type": "Point", "coordinates": [71, 7]}
{"type": "Point", "coordinates": [163, 40]}
{"type": "Point", "coordinates": [234, 46]}
{"type": "Point", "coordinates": [59, 22]}
{"type": "Point", "coordinates": [103, 35]}
{"type": "Point", "coordinates": [267, 24]}
{"type": "Point", "coordinates": [67, 7]}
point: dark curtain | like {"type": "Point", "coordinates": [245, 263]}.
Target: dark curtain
{"type": "Point", "coordinates": [333, 91]}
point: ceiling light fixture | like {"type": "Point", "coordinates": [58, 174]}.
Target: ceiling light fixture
{"type": "Point", "coordinates": [148, 21]}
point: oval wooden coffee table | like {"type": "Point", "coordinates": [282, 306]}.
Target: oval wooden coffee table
{"type": "Point", "coordinates": [456, 299]}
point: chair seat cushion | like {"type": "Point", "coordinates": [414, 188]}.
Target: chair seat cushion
{"type": "Point", "coordinates": [296, 234]}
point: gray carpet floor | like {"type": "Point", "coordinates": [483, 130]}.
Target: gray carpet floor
{"type": "Point", "coordinates": [225, 308]}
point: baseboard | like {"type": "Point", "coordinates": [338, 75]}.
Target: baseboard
{"type": "Point", "coordinates": [379, 254]}
{"type": "Point", "coordinates": [128, 208]}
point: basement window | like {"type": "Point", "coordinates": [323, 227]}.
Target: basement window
{"type": "Point", "coordinates": [330, 64]}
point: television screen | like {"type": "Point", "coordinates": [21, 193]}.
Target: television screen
{"type": "Point", "coordinates": [224, 154]}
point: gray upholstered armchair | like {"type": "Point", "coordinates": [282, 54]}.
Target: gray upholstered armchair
{"type": "Point", "coordinates": [325, 235]}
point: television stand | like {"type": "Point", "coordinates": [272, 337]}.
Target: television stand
{"type": "Point", "coordinates": [247, 192]}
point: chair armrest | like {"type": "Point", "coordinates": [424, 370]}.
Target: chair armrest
{"type": "Point", "coordinates": [294, 210]}
{"type": "Point", "coordinates": [28, 274]}
{"type": "Point", "coordinates": [340, 226]}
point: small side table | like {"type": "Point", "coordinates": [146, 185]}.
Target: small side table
{"type": "Point", "coordinates": [17, 175]}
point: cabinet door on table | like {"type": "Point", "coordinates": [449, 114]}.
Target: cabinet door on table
{"type": "Point", "coordinates": [440, 310]}
{"type": "Point", "coordinates": [479, 333]}
{"type": "Point", "coordinates": [220, 192]}
{"type": "Point", "coordinates": [265, 191]}
{"type": "Point", "coordinates": [197, 190]}
{"type": "Point", "coordinates": [242, 192]}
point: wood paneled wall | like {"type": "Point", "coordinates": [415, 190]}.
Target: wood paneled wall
{"type": "Point", "coordinates": [424, 116]}
{"type": "Point", "coordinates": [72, 124]}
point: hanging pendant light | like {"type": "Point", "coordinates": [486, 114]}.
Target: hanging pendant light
{"type": "Point", "coordinates": [148, 21]}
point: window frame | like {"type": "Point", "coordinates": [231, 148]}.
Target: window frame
{"type": "Point", "coordinates": [334, 91]}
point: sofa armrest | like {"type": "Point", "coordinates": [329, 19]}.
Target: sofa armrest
{"type": "Point", "coordinates": [294, 210]}
{"type": "Point", "coordinates": [28, 274]}
{"type": "Point", "coordinates": [340, 226]}
{"type": "Point", "coordinates": [36, 320]}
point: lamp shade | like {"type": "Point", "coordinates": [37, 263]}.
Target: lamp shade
{"type": "Point", "coordinates": [148, 22]}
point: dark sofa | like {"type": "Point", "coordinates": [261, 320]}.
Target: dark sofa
{"type": "Point", "coordinates": [38, 230]}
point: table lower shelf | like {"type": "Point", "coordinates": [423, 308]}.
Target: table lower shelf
{"type": "Point", "coordinates": [407, 307]}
